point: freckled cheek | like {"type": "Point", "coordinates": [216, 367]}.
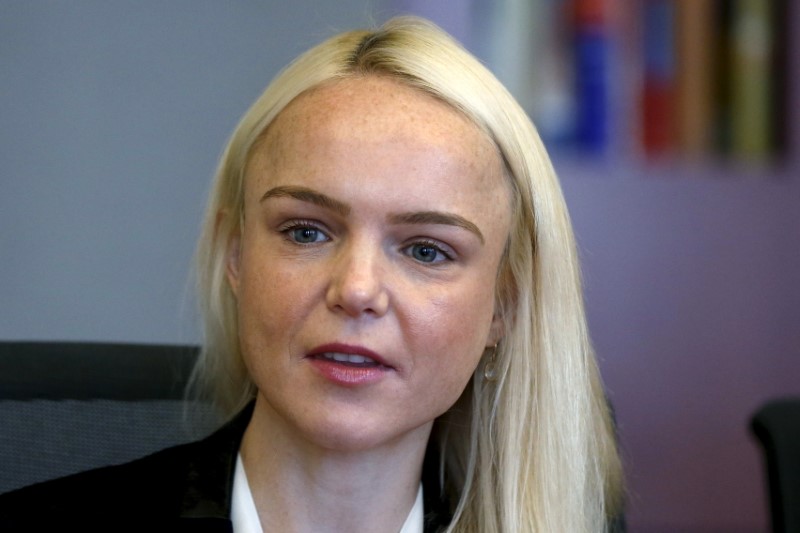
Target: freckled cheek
{"type": "Point", "coordinates": [450, 333]}
{"type": "Point", "coordinates": [271, 303]}
{"type": "Point", "coordinates": [448, 346]}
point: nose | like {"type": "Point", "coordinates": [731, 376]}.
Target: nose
{"type": "Point", "coordinates": [357, 282]}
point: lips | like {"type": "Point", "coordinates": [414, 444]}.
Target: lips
{"type": "Point", "coordinates": [349, 355]}
{"type": "Point", "coordinates": [349, 366]}
{"type": "Point", "coordinates": [349, 358]}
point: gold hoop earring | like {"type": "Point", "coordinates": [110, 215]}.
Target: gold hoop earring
{"type": "Point", "coordinates": [490, 368]}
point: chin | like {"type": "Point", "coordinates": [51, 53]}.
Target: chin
{"type": "Point", "coordinates": [348, 438]}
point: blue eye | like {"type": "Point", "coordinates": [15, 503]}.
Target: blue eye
{"type": "Point", "coordinates": [427, 253]}
{"type": "Point", "coordinates": [303, 234]}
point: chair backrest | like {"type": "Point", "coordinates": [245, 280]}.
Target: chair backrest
{"type": "Point", "coordinates": [777, 427]}
{"type": "Point", "coordinates": [68, 407]}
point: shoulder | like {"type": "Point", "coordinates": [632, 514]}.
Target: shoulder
{"type": "Point", "coordinates": [153, 483]}
{"type": "Point", "coordinates": [191, 481]}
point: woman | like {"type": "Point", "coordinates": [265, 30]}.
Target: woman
{"type": "Point", "coordinates": [393, 306]}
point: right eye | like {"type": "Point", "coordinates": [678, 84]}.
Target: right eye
{"type": "Point", "coordinates": [304, 233]}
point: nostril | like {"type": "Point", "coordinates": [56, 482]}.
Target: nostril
{"type": "Point", "coordinates": [357, 292]}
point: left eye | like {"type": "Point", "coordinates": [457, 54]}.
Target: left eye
{"type": "Point", "coordinates": [427, 253]}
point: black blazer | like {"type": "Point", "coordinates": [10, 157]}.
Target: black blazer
{"type": "Point", "coordinates": [184, 488]}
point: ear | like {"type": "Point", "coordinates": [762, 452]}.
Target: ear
{"type": "Point", "coordinates": [496, 331]}
{"type": "Point", "coordinates": [232, 259]}
{"type": "Point", "coordinates": [232, 252]}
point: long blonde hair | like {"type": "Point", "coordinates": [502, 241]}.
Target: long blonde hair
{"type": "Point", "coordinates": [533, 450]}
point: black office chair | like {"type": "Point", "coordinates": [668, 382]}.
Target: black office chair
{"type": "Point", "coordinates": [777, 427]}
{"type": "Point", "coordinates": [68, 407]}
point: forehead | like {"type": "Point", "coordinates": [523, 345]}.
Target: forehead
{"type": "Point", "coordinates": [378, 99]}
{"type": "Point", "coordinates": [357, 108]}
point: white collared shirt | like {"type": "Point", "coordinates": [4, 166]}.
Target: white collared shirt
{"type": "Point", "coordinates": [245, 516]}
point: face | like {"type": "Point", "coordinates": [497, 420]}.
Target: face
{"type": "Point", "coordinates": [375, 220]}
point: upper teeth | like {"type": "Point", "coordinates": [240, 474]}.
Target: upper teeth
{"type": "Point", "coordinates": [347, 358]}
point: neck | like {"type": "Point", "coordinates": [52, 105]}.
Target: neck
{"type": "Point", "coordinates": [302, 484]}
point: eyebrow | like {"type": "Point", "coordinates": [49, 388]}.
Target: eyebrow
{"type": "Point", "coordinates": [436, 217]}
{"type": "Point", "coordinates": [304, 194]}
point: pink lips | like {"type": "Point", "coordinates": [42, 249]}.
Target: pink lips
{"type": "Point", "coordinates": [348, 365]}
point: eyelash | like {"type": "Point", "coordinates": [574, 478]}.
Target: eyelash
{"type": "Point", "coordinates": [287, 229]}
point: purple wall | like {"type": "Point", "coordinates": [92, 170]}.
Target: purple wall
{"type": "Point", "coordinates": [693, 296]}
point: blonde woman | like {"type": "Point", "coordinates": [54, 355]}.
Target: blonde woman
{"type": "Point", "coordinates": [394, 319]}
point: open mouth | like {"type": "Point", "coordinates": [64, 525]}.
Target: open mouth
{"type": "Point", "coordinates": [348, 359]}
{"type": "Point", "coordinates": [349, 365]}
